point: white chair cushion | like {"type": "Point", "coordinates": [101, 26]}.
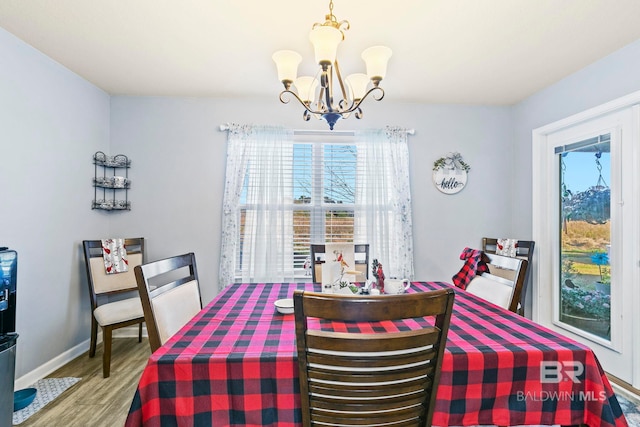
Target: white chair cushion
{"type": "Point", "coordinates": [494, 291]}
{"type": "Point", "coordinates": [103, 282]}
{"type": "Point", "coordinates": [118, 311]}
{"type": "Point", "coordinates": [173, 309]}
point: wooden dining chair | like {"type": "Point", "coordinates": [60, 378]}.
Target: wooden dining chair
{"type": "Point", "coordinates": [374, 378]}
{"type": "Point", "coordinates": [503, 284]}
{"type": "Point", "coordinates": [319, 256]}
{"type": "Point", "coordinates": [170, 295]}
{"type": "Point", "coordinates": [117, 312]}
{"type": "Point", "coordinates": [524, 250]}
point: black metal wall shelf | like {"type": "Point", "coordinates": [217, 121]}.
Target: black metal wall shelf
{"type": "Point", "coordinates": [109, 187]}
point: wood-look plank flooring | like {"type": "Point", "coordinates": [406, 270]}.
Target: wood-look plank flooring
{"type": "Point", "coordinates": [96, 401]}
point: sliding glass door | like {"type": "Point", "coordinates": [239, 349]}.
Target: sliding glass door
{"type": "Point", "coordinates": [586, 213]}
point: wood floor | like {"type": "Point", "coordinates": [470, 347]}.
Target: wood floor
{"type": "Point", "coordinates": [96, 401]}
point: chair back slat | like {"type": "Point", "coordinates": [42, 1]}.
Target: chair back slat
{"type": "Point", "coordinates": [380, 378]}
{"type": "Point", "coordinates": [416, 387]}
{"type": "Point", "coordinates": [382, 361]}
{"type": "Point", "coordinates": [367, 309]}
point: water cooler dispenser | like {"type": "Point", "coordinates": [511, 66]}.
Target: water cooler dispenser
{"type": "Point", "coordinates": [8, 336]}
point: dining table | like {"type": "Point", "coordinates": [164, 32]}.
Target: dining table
{"type": "Point", "coordinates": [235, 364]}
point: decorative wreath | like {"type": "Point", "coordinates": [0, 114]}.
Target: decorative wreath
{"type": "Point", "coordinates": [451, 161]}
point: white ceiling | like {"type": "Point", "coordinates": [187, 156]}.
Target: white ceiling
{"type": "Point", "coordinates": [494, 52]}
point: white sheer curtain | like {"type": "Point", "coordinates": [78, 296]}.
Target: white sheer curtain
{"type": "Point", "coordinates": [260, 155]}
{"type": "Point", "coordinates": [383, 200]}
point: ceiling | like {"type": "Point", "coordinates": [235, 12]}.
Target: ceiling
{"type": "Point", "coordinates": [492, 52]}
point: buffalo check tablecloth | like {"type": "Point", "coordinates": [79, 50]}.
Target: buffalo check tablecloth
{"type": "Point", "coordinates": [235, 364]}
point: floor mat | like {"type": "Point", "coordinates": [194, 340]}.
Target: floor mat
{"type": "Point", "coordinates": [48, 390]}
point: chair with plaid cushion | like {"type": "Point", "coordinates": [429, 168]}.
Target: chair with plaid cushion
{"type": "Point", "coordinates": [350, 378]}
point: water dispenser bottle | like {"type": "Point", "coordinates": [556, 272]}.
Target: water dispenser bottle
{"type": "Point", "coordinates": [8, 337]}
{"type": "Point", "coordinates": [8, 270]}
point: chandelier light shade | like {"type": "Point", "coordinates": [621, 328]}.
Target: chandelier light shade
{"type": "Point", "coordinates": [376, 58]}
{"type": "Point", "coordinates": [288, 62]}
{"type": "Point", "coordinates": [316, 94]}
{"type": "Point", "coordinates": [325, 42]}
{"type": "Point", "coordinates": [306, 86]}
{"type": "Point", "coordinates": [358, 83]}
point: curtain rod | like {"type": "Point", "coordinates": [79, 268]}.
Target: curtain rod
{"type": "Point", "coordinates": [225, 127]}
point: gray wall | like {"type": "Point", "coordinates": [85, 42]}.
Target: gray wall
{"type": "Point", "coordinates": [178, 166]}
{"type": "Point", "coordinates": [53, 121]}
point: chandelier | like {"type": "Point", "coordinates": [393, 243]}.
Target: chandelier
{"type": "Point", "coordinates": [316, 93]}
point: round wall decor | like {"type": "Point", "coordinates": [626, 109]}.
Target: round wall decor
{"type": "Point", "coordinates": [449, 181]}
{"type": "Point", "coordinates": [450, 173]}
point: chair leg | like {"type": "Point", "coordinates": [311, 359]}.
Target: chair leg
{"type": "Point", "coordinates": [94, 336]}
{"type": "Point", "coordinates": [106, 356]}
{"type": "Point", "coordinates": [140, 332]}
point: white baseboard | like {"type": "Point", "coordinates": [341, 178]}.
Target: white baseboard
{"type": "Point", "coordinates": [629, 395]}
{"type": "Point", "coordinates": [59, 361]}
{"type": "Point", "coordinates": [50, 366]}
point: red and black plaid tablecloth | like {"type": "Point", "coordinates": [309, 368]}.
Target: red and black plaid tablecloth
{"type": "Point", "coordinates": [235, 364]}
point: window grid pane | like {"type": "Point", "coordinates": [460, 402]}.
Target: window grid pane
{"type": "Point", "coordinates": [301, 238]}
{"type": "Point", "coordinates": [339, 226]}
{"type": "Point", "coordinates": [339, 173]}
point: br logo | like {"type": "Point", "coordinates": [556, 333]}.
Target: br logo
{"type": "Point", "coordinates": [553, 371]}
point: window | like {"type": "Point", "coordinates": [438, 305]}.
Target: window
{"type": "Point", "coordinates": [285, 192]}
{"type": "Point", "coordinates": [323, 180]}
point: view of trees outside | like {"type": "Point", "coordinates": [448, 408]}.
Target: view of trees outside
{"type": "Point", "coordinates": [585, 282]}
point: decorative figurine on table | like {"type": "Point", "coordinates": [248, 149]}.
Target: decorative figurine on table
{"type": "Point", "coordinates": [376, 268]}
{"type": "Point", "coordinates": [340, 259]}
{"type": "Point", "coordinates": [341, 283]}
{"type": "Point", "coordinates": [307, 266]}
